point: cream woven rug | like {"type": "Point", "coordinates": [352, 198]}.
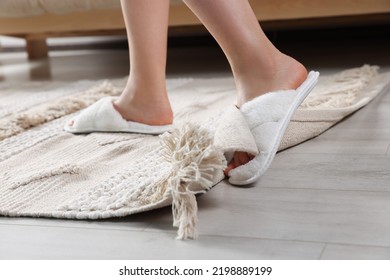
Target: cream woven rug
{"type": "Point", "coordinates": [45, 172]}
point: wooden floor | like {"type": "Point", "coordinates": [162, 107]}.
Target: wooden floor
{"type": "Point", "coordinates": [328, 198]}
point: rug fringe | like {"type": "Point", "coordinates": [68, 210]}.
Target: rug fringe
{"type": "Point", "coordinates": [346, 87]}
{"type": "Point", "coordinates": [44, 113]}
{"type": "Point", "coordinates": [195, 160]}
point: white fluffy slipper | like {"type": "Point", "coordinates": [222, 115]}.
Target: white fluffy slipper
{"type": "Point", "coordinates": [268, 117]}
{"type": "Point", "coordinates": [102, 117]}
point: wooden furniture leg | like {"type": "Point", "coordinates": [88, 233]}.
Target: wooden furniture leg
{"type": "Point", "coordinates": [37, 48]}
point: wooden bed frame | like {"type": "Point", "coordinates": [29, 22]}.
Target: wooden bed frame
{"type": "Point", "coordinates": [271, 13]}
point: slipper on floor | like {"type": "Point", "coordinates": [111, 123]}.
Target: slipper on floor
{"type": "Point", "coordinates": [102, 117]}
{"type": "Point", "coordinates": [268, 117]}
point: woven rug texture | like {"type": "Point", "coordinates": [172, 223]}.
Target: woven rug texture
{"type": "Point", "coordinates": [46, 172]}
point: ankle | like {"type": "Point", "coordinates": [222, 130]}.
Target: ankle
{"type": "Point", "coordinates": [249, 61]}
{"type": "Point", "coordinates": [154, 113]}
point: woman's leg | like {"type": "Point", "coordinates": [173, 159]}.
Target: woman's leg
{"type": "Point", "coordinates": [145, 97]}
{"type": "Point", "coordinates": [257, 65]}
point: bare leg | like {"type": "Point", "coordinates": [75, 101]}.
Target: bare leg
{"type": "Point", "coordinates": [258, 66]}
{"type": "Point", "coordinates": [145, 97]}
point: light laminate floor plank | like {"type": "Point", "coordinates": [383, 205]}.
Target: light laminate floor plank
{"type": "Point", "coordinates": [350, 252]}
{"type": "Point", "coordinates": [352, 172]}
{"type": "Point", "coordinates": [347, 217]}
{"type": "Point", "coordinates": [20, 242]}
{"type": "Point", "coordinates": [341, 146]}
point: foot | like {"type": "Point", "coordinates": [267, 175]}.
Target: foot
{"type": "Point", "coordinates": [156, 111]}
{"type": "Point", "coordinates": [287, 73]}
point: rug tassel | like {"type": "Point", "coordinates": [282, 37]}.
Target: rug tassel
{"type": "Point", "coordinates": [194, 161]}
{"type": "Point", "coordinates": [185, 214]}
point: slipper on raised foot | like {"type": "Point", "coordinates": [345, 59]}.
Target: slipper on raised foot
{"type": "Point", "coordinates": [268, 116]}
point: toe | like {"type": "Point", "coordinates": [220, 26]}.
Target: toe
{"type": "Point", "coordinates": [239, 158]}
{"type": "Point", "coordinates": [230, 166]}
